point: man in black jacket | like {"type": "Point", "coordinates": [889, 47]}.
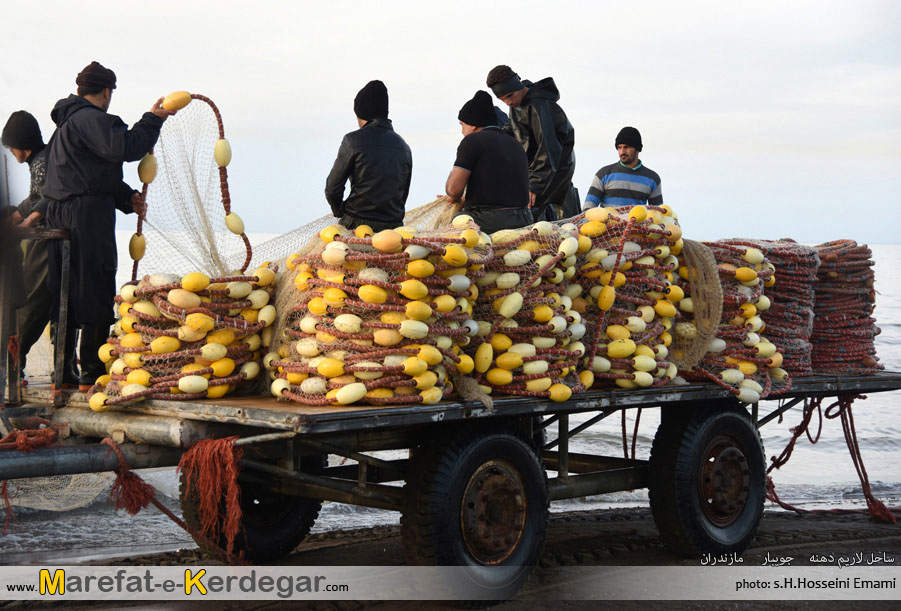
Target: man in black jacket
{"type": "Point", "coordinates": [378, 163]}
{"type": "Point", "coordinates": [84, 184]}
{"type": "Point", "coordinates": [22, 136]}
{"type": "Point", "coordinates": [541, 126]}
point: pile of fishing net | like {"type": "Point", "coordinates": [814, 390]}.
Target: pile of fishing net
{"type": "Point", "coordinates": [379, 318]}
{"type": "Point", "coordinates": [186, 338]}
{"type": "Point", "coordinates": [843, 327]}
{"type": "Point", "coordinates": [626, 293]}
{"type": "Point", "coordinates": [789, 319]}
{"type": "Point", "coordinates": [739, 357]}
{"type": "Point", "coordinates": [529, 334]}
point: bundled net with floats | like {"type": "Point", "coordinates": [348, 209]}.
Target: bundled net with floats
{"type": "Point", "coordinates": [437, 309]}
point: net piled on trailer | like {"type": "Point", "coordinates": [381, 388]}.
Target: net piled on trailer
{"type": "Point", "coordinates": [585, 308]}
{"type": "Point", "coordinates": [739, 357]}
{"type": "Point", "coordinates": [379, 318]}
{"type": "Point", "coordinates": [186, 338]}
{"type": "Point", "coordinates": [843, 327]}
{"type": "Point", "coordinates": [789, 319]}
{"type": "Point", "coordinates": [529, 334]}
{"type": "Point", "coordinates": [625, 290]}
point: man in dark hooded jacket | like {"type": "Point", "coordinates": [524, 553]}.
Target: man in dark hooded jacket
{"type": "Point", "coordinates": [541, 126]}
{"type": "Point", "coordinates": [84, 184]}
{"type": "Point", "coordinates": [22, 136]}
{"type": "Point", "coordinates": [378, 163]}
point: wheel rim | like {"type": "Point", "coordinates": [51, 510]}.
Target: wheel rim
{"type": "Point", "coordinates": [493, 512]}
{"type": "Point", "coordinates": [724, 482]}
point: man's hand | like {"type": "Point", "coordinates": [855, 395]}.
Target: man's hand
{"type": "Point", "coordinates": [32, 220]}
{"type": "Point", "coordinates": [531, 199]}
{"type": "Point", "coordinates": [138, 204]}
{"type": "Point", "coordinates": [161, 112]}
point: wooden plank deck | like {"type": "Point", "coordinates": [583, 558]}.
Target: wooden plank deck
{"type": "Point", "coordinates": [267, 412]}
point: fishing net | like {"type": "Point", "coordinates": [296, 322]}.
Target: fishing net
{"type": "Point", "coordinates": [789, 319]}
{"type": "Point", "coordinates": [844, 328]}
{"type": "Point", "coordinates": [739, 358]}
{"type": "Point", "coordinates": [186, 338]}
{"type": "Point", "coordinates": [58, 493]}
{"type": "Point", "coordinates": [379, 318]}
{"type": "Point", "coordinates": [188, 225]}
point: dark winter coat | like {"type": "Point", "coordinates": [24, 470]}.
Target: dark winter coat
{"type": "Point", "coordinates": [547, 136]}
{"type": "Point", "coordinates": [84, 185]}
{"type": "Point", "coordinates": [379, 165]}
{"type": "Point", "coordinates": [37, 169]}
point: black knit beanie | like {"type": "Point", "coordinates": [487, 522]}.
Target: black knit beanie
{"type": "Point", "coordinates": [95, 76]}
{"type": "Point", "coordinates": [479, 111]}
{"type": "Point", "coordinates": [630, 137]}
{"type": "Point", "coordinates": [22, 132]}
{"type": "Point", "coordinates": [372, 101]}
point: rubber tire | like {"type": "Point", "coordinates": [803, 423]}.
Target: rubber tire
{"type": "Point", "coordinates": [272, 524]}
{"type": "Point", "coordinates": [431, 527]}
{"type": "Point", "coordinates": [674, 486]}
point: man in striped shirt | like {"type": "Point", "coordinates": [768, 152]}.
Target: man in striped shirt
{"type": "Point", "coordinates": [627, 182]}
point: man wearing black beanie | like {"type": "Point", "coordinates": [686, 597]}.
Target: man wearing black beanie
{"type": "Point", "coordinates": [22, 136]}
{"type": "Point", "coordinates": [627, 182]}
{"type": "Point", "coordinates": [378, 163]}
{"type": "Point", "coordinates": [491, 167]}
{"type": "Point", "coordinates": [546, 135]}
{"type": "Point", "coordinates": [85, 188]}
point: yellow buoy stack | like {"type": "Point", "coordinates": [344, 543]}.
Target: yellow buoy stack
{"type": "Point", "coordinates": [529, 338]}
{"type": "Point", "coordinates": [382, 316]}
{"type": "Point", "coordinates": [739, 356]}
{"type": "Point", "coordinates": [187, 337]}
{"type": "Point", "coordinates": [627, 292]}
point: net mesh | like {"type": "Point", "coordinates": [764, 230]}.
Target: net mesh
{"type": "Point", "coordinates": [844, 328]}
{"type": "Point", "coordinates": [58, 493]}
{"type": "Point", "coordinates": [184, 226]}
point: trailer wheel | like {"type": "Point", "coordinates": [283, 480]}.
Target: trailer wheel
{"type": "Point", "coordinates": [707, 481]}
{"type": "Point", "coordinates": [480, 502]}
{"type": "Point", "coordinates": [272, 523]}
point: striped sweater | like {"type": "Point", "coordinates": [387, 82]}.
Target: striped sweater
{"type": "Point", "coordinates": [620, 185]}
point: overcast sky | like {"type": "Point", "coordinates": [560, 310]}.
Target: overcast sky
{"type": "Point", "coordinates": [764, 119]}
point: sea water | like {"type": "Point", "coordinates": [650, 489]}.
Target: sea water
{"type": "Point", "coordinates": [817, 476]}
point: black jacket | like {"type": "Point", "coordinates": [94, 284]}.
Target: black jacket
{"type": "Point", "coordinates": [84, 186]}
{"type": "Point", "coordinates": [379, 165]}
{"type": "Point", "coordinates": [88, 149]}
{"type": "Point", "coordinates": [547, 136]}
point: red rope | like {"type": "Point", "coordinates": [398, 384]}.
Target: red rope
{"type": "Point", "coordinates": [840, 409]}
{"type": "Point", "coordinates": [12, 348]}
{"type": "Point", "coordinates": [211, 469]}
{"type": "Point", "coordinates": [132, 493]}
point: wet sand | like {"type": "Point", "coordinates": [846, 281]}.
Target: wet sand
{"type": "Point", "coordinates": [624, 537]}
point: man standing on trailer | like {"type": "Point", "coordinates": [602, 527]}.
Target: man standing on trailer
{"type": "Point", "coordinates": [548, 138]}
{"type": "Point", "coordinates": [492, 169]}
{"type": "Point", "coordinates": [627, 182]}
{"type": "Point", "coordinates": [84, 184]}
{"type": "Point", "coordinates": [378, 163]}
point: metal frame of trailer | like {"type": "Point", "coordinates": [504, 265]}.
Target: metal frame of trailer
{"type": "Point", "coordinates": [475, 489]}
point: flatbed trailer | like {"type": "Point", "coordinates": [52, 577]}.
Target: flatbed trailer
{"type": "Point", "coordinates": [473, 487]}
